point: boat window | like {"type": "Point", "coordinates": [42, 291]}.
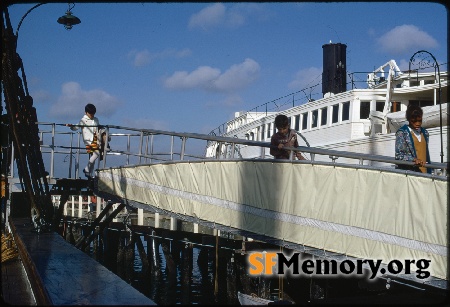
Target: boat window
{"type": "Point", "coordinates": [323, 113]}
{"type": "Point", "coordinates": [430, 81]}
{"type": "Point", "coordinates": [314, 118]}
{"type": "Point", "coordinates": [414, 83]}
{"type": "Point", "coordinates": [268, 131]}
{"type": "Point", "coordinates": [304, 121]}
{"type": "Point", "coordinates": [252, 136]}
{"type": "Point", "coordinates": [422, 103]}
{"type": "Point", "coordinates": [297, 123]}
{"type": "Point", "coordinates": [379, 106]}
{"type": "Point", "coordinates": [246, 136]}
{"type": "Point", "coordinates": [274, 128]}
{"type": "Point", "coordinates": [364, 110]}
{"type": "Point", "coordinates": [262, 132]}
{"type": "Point", "coordinates": [335, 115]}
{"type": "Point", "coordinates": [346, 110]}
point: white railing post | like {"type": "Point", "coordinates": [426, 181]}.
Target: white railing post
{"type": "Point", "coordinates": [156, 220]}
{"type": "Point", "coordinates": [173, 223]}
{"type": "Point", "coordinates": [80, 206]}
{"type": "Point", "coordinates": [140, 216]}
{"type": "Point", "coordinates": [98, 207]}
{"type": "Point", "coordinates": [105, 146]}
{"type": "Point", "coordinates": [146, 148]}
{"type": "Point", "coordinates": [70, 156]}
{"type": "Point", "coordinates": [73, 205]}
{"type": "Point", "coordinates": [77, 166]}
{"type": "Point", "coordinates": [151, 147]}
{"type": "Point", "coordinates": [183, 146]}
{"type": "Point", "coordinates": [128, 149]}
{"type": "Point", "coordinates": [171, 147]}
{"type": "Point", "coordinates": [140, 146]}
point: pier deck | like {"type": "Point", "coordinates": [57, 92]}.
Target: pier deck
{"type": "Point", "coordinates": [16, 290]}
{"type": "Point", "coordinates": [61, 274]}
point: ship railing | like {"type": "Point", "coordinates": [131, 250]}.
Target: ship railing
{"type": "Point", "coordinates": [356, 80]}
{"type": "Point", "coordinates": [63, 150]}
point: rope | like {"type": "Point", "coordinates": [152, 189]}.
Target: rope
{"type": "Point", "coordinates": [9, 248]}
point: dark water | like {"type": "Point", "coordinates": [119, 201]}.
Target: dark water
{"type": "Point", "coordinates": [174, 287]}
{"type": "Point", "coordinates": [170, 289]}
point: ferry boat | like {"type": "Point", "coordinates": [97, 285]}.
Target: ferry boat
{"type": "Point", "coordinates": [357, 120]}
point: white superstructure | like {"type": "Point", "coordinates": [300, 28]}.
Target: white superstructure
{"type": "Point", "coordinates": [357, 120]}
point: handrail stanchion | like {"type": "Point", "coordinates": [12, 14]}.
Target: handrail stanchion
{"type": "Point", "coordinates": [70, 155]}
{"type": "Point", "coordinates": [218, 150]}
{"type": "Point", "coordinates": [77, 165]}
{"type": "Point", "coordinates": [171, 147]}
{"type": "Point", "coordinates": [128, 149]}
{"type": "Point", "coordinates": [151, 147]}
{"type": "Point", "coordinates": [183, 146]}
{"type": "Point", "coordinates": [147, 138]}
{"type": "Point", "coordinates": [105, 146]}
{"type": "Point", "coordinates": [140, 146]}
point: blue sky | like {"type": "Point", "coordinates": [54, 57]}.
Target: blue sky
{"type": "Point", "coordinates": [188, 67]}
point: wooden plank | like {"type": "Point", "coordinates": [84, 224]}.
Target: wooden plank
{"type": "Point", "coordinates": [64, 275]}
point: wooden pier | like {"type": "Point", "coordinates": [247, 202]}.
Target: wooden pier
{"type": "Point", "coordinates": [61, 274]}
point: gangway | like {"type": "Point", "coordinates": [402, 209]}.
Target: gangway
{"type": "Point", "coordinates": [334, 205]}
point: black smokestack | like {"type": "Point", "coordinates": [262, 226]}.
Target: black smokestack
{"type": "Point", "coordinates": [334, 74]}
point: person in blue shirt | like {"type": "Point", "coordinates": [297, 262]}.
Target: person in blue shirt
{"type": "Point", "coordinates": [411, 141]}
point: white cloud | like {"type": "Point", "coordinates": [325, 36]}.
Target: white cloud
{"type": "Point", "coordinates": [145, 57]}
{"type": "Point", "coordinates": [305, 78]}
{"type": "Point", "coordinates": [70, 105]}
{"type": "Point", "coordinates": [41, 96]}
{"type": "Point", "coordinates": [218, 14]}
{"type": "Point", "coordinates": [140, 58]}
{"type": "Point", "coordinates": [237, 77]}
{"type": "Point", "coordinates": [202, 77]}
{"type": "Point", "coordinates": [208, 17]}
{"type": "Point", "coordinates": [406, 38]}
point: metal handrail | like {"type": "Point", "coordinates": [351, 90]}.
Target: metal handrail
{"type": "Point", "coordinates": [149, 151]}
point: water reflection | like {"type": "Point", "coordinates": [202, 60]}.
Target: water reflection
{"type": "Point", "coordinates": [167, 288]}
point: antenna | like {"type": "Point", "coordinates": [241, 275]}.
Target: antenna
{"type": "Point", "coordinates": [334, 32]}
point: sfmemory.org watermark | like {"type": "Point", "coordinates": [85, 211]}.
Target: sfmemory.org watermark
{"type": "Point", "coordinates": [276, 263]}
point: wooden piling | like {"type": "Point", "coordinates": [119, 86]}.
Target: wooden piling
{"type": "Point", "coordinates": [153, 253]}
{"type": "Point", "coordinates": [129, 256]}
{"type": "Point", "coordinates": [170, 263]}
{"type": "Point", "coordinates": [186, 272]}
{"type": "Point", "coordinates": [231, 280]}
{"type": "Point", "coordinates": [142, 254]}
